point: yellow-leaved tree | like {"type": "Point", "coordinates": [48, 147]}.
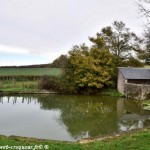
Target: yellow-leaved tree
{"type": "Point", "coordinates": [89, 69]}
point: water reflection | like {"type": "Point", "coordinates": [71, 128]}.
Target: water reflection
{"type": "Point", "coordinates": [131, 115]}
{"type": "Point", "coordinates": [70, 118]}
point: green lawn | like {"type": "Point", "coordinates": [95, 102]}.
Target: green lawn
{"type": "Point", "coordinates": [30, 71]}
{"type": "Point", "coordinates": [130, 141]}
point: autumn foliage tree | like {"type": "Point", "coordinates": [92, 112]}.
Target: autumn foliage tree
{"type": "Point", "coordinates": [91, 69]}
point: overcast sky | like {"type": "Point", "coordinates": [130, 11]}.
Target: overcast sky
{"type": "Point", "coordinates": [38, 31]}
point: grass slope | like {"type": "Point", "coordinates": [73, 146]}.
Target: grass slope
{"type": "Point", "coordinates": [30, 71]}
{"type": "Point", "coordinates": [19, 86]}
{"type": "Point", "coordinates": [130, 141]}
{"type": "Point", "coordinates": [19, 82]}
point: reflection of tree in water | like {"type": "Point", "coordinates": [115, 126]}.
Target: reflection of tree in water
{"type": "Point", "coordinates": [84, 115]}
{"type": "Point", "coordinates": [134, 106]}
{"type": "Point", "coordinates": [89, 116]}
{"type": "Point", "coordinates": [14, 99]}
{"type": "Point", "coordinates": [129, 125]}
{"type": "Point", "coordinates": [132, 115]}
{"type": "Point", "coordinates": [133, 124]}
{"type": "Point", "coordinates": [92, 116]}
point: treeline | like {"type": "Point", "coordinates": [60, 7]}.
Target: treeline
{"type": "Point", "coordinates": [28, 66]}
{"type": "Point", "coordinates": [57, 63]}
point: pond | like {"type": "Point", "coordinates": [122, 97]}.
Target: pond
{"type": "Point", "coordinates": [69, 118]}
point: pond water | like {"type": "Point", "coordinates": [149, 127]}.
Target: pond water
{"type": "Point", "coordinates": [69, 118]}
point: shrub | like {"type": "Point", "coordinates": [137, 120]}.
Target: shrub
{"type": "Point", "coordinates": [132, 62]}
{"type": "Point", "coordinates": [57, 84]}
{"type": "Point", "coordinates": [49, 83]}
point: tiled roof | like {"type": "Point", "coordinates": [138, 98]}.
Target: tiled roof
{"type": "Point", "coordinates": [135, 73]}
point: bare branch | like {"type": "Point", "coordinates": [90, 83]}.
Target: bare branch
{"type": "Point", "coordinates": [144, 9]}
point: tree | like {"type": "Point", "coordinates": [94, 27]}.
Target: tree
{"type": "Point", "coordinates": [145, 53]}
{"type": "Point", "coordinates": [90, 69]}
{"type": "Point", "coordinates": [132, 62]}
{"type": "Point", "coordinates": [60, 62]}
{"type": "Point", "coordinates": [147, 47]}
{"type": "Point", "coordinates": [118, 39]}
{"type": "Point", "coordinates": [144, 9]}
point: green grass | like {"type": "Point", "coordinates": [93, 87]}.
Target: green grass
{"type": "Point", "coordinates": [30, 71]}
{"type": "Point", "coordinates": [112, 92]}
{"type": "Point", "coordinates": [20, 81]}
{"type": "Point", "coordinates": [130, 141]}
{"type": "Point", "coordinates": [146, 105]}
{"type": "Point", "coordinates": [19, 86]}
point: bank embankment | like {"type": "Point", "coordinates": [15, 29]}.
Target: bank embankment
{"type": "Point", "coordinates": [139, 139]}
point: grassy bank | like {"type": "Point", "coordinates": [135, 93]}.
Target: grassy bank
{"type": "Point", "coordinates": [9, 87]}
{"type": "Point", "coordinates": [139, 140]}
{"type": "Point", "coordinates": [112, 92]}
{"type": "Point", "coordinates": [19, 86]}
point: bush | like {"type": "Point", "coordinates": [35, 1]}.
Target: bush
{"type": "Point", "coordinates": [132, 62]}
{"type": "Point", "coordinates": [57, 84]}
{"type": "Point", "coordinates": [49, 83]}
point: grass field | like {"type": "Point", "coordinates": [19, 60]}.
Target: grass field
{"type": "Point", "coordinates": [29, 71]}
{"type": "Point", "coordinates": [129, 141]}
{"type": "Point", "coordinates": [19, 86]}
{"type": "Point", "coordinates": [19, 79]}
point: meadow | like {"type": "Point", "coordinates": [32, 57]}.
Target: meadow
{"type": "Point", "coordinates": [6, 72]}
{"type": "Point", "coordinates": [24, 79]}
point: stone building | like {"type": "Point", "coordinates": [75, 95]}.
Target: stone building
{"type": "Point", "coordinates": [134, 82]}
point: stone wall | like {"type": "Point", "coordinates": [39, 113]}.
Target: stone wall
{"type": "Point", "coordinates": [137, 91]}
{"type": "Point", "coordinates": [120, 83]}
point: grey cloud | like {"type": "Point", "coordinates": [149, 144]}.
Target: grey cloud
{"type": "Point", "coordinates": [47, 26]}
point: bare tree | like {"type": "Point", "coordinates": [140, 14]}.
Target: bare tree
{"type": "Point", "coordinates": [144, 9]}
